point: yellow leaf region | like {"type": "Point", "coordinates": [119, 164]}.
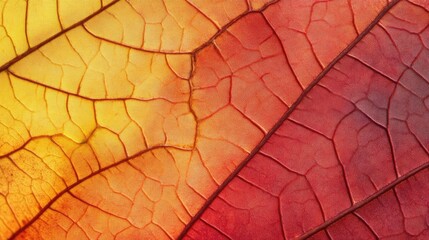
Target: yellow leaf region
{"type": "Point", "coordinates": [118, 119]}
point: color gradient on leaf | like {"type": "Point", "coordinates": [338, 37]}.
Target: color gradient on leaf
{"type": "Point", "coordinates": [213, 119]}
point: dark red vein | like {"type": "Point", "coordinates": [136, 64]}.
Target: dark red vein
{"type": "Point", "coordinates": [284, 117]}
{"type": "Point", "coordinates": [363, 202]}
{"type": "Point", "coordinates": [32, 49]}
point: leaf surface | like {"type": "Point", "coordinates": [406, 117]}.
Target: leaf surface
{"type": "Point", "coordinates": [213, 119]}
{"type": "Point", "coordinates": [347, 162]}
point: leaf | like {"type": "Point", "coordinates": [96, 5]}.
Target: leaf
{"type": "Point", "coordinates": [213, 119]}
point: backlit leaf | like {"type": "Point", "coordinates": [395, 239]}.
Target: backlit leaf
{"type": "Point", "coordinates": [231, 119]}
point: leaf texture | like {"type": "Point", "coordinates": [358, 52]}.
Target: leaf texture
{"type": "Point", "coordinates": [342, 165]}
{"type": "Point", "coordinates": [214, 119]}
{"type": "Point", "coordinates": [26, 25]}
